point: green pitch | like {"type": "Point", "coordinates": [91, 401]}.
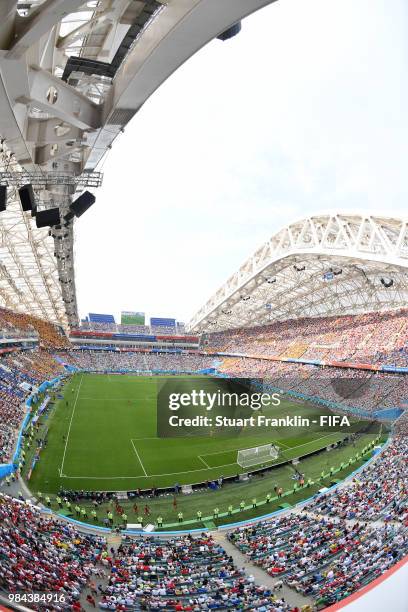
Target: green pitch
{"type": "Point", "coordinates": [102, 436]}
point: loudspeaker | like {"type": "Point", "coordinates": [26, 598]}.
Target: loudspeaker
{"type": "Point", "coordinates": [27, 199]}
{"type": "Point", "coordinates": [48, 217]}
{"type": "Point", "coordinates": [3, 197]}
{"type": "Point", "coordinates": [387, 283]}
{"type": "Point", "coordinates": [82, 203]}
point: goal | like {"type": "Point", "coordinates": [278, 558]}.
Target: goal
{"type": "Point", "coordinates": [256, 455]}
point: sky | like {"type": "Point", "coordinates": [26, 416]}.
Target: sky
{"type": "Point", "coordinates": [303, 112]}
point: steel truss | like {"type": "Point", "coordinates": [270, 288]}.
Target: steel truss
{"type": "Point", "coordinates": [326, 264]}
{"type": "Point", "coordinates": [43, 180]}
{"type": "Point", "coordinates": [29, 279]}
{"type": "Point", "coordinates": [73, 73]}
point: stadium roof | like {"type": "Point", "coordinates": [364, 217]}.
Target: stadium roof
{"type": "Point", "coordinates": [73, 73]}
{"type": "Point", "coordinates": [29, 278]}
{"type": "Point", "coordinates": [328, 264]}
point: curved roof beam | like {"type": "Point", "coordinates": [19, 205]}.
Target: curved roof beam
{"type": "Point", "coordinates": [323, 264]}
{"type": "Point", "coordinates": [39, 22]}
{"type": "Point", "coordinates": [72, 75]}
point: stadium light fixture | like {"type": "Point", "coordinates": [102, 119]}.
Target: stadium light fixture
{"type": "Point", "coordinates": [387, 282]}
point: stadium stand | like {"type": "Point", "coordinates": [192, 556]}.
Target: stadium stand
{"type": "Point", "coordinates": [101, 318]}
{"type": "Point", "coordinates": [361, 389]}
{"type": "Point", "coordinates": [380, 492]}
{"type": "Point", "coordinates": [134, 329]}
{"type": "Point", "coordinates": [19, 372]}
{"type": "Point", "coordinates": [327, 559]}
{"type": "Point", "coordinates": [365, 338]}
{"type": "Point", "coordinates": [183, 573]}
{"type": "Point", "coordinates": [39, 553]}
{"type": "Point", "coordinates": [101, 361]}
{"type": "Point", "coordinates": [98, 326]}
{"type": "Point", "coordinates": [110, 55]}
{"type": "Point", "coordinates": [50, 335]}
{"type": "Point", "coordinates": [106, 323]}
{"type": "Point", "coordinates": [162, 322]}
{"type": "Point", "coordinates": [340, 542]}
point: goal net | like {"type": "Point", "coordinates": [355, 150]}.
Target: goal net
{"type": "Point", "coordinates": [256, 455]}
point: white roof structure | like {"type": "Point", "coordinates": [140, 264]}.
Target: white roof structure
{"type": "Point", "coordinates": [326, 264]}
{"type": "Point", "coordinates": [73, 73]}
{"type": "Point", "coordinates": [29, 279]}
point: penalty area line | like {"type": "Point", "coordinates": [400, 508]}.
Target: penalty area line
{"type": "Point", "coordinates": [138, 456]}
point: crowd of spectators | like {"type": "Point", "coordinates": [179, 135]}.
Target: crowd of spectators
{"type": "Point", "coordinates": [102, 361]}
{"type": "Point", "coordinates": [339, 542]}
{"type": "Point", "coordinates": [44, 555]}
{"type": "Point", "coordinates": [323, 558]}
{"type": "Point", "coordinates": [20, 373]}
{"type": "Point", "coordinates": [39, 553]}
{"type": "Point", "coordinates": [183, 573]}
{"type": "Point", "coordinates": [98, 326]}
{"type": "Point", "coordinates": [349, 388]}
{"type": "Point", "coordinates": [21, 325]}
{"type": "Point", "coordinates": [361, 390]}
{"type": "Point", "coordinates": [343, 539]}
{"type": "Point", "coordinates": [133, 329]}
{"type": "Point", "coordinates": [401, 424]}
{"type": "Point", "coordinates": [376, 337]}
{"type": "Point", "coordinates": [379, 492]}
{"type": "Point", "coordinates": [10, 416]}
{"type": "Point", "coordinates": [127, 328]}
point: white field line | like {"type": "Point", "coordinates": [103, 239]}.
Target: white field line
{"type": "Point", "coordinates": [267, 461]}
{"type": "Point", "coordinates": [138, 456]}
{"type": "Point", "coordinates": [205, 463]}
{"type": "Point", "coordinates": [149, 476]}
{"type": "Point", "coordinates": [311, 441]}
{"type": "Point", "coordinates": [171, 473]}
{"type": "Point", "coordinates": [118, 399]}
{"type": "Point", "coordinates": [70, 424]}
